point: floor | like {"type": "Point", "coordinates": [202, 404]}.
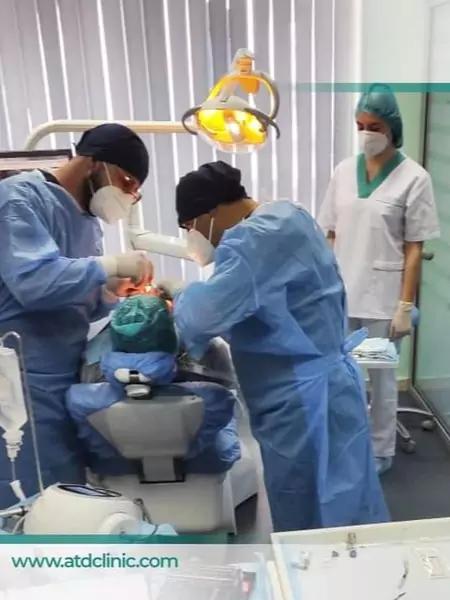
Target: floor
{"type": "Point", "coordinates": [417, 487]}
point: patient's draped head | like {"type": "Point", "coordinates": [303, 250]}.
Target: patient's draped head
{"type": "Point", "coordinates": [143, 324]}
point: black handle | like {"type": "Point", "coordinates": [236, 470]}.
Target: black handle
{"type": "Point", "coordinates": [427, 255]}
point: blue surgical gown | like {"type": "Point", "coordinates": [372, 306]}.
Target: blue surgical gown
{"type": "Point", "coordinates": [276, 294]}
{"type": "Point", "coordinates": [50, 290]}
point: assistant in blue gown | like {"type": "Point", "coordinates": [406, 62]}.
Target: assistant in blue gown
{"type": "Point", "coordinates": [276, 294]}
{"type": "Point", "coordinates": [50, 290]}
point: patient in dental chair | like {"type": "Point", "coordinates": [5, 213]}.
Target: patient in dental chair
{"type": "Point", "coordinates": [141, 337]}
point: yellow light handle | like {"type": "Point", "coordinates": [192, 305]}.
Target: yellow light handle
{"type": "Point", "coordinates": [250, 83]}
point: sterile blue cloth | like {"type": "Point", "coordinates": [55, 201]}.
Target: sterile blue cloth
{"type": "Point", "coordinates": [277, 292]}
{"type": "Point", "coordinates": [50, 290]}
{"type": "Point", "coordinates": [98, 346]}
{"type": "Point", "coordinates": [214, 449]}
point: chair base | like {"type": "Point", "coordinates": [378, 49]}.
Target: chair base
{"type": "Point", "coordinates": [408, 444]}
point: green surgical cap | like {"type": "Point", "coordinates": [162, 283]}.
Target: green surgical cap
{"type": "Point", "coordinates": [143, 324]}
{"type": "Point", "coordinates": [379, 100]}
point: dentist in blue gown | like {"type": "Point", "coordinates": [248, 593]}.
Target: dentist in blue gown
{"type": "Point", "coordinates": [54, 282]}
{"type": "Point", "coordinates": [277, 296]}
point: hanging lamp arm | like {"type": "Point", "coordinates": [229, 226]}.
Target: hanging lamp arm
{"type": "Point", "coordinates": [264, 119]}
{"type": "Point", "coordinates": [187, 115]}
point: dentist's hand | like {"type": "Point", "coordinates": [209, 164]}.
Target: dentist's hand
{"type": "Point", "coordinates": [133, 265]}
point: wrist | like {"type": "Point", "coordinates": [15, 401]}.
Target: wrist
{"type": "Point", "coordinates": [108, 296]}
{"type": "Point", "coordinates": [406, 306]}
{"type": "Point", "coordinates": [109, 264]}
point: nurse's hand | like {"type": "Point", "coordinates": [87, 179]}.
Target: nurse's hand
{"type": "Point", "coordinates": [402, 322]}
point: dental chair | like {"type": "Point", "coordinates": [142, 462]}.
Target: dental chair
{"type": "Point", "coordinates": [155, 428]}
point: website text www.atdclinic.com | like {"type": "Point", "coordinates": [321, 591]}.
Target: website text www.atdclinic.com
{"type": "Point", "coordinates": [104, 560]}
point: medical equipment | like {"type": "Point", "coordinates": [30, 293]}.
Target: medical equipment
{"type": "Point", "coordinates": [82, 509]}
{"type": "Point", "coordinates": [389, 561]}
{"type": "Point", "coordinates": [229, 122]}
{"type": "Point", "coordinates": [59, 509]}
{"type": "Point", "coordinates": [155, 429]}
{"type": "Point", "coordinates": [377, 349]}
{"type": "Point", "coordinates": [208, 583]}
{"type": "Point", "coordinates": [14, 404]}
{"type": "Point", "coordinates": [155, 243]}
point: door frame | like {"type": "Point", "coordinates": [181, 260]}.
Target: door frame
{"type": "Point", "coordinates": [415, 344]}
{"type": "Point", "coordinates": [415, 391]}
{"type": "Point", "coordinates": [432, 5]}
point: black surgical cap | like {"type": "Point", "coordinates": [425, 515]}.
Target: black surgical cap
{"type": "Point", "coordinates": [117, 145]}
{"type": "Point", "coordinates": [199, 192]}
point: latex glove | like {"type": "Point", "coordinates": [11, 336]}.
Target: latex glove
{"type": "Point", "coordinates": [402, 322]}
{"type": "Point", "coordinates": [134, 265]}
{"type": "Point", "coordinates": [170, 288]}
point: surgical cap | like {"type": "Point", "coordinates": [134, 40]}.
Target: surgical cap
{"type": "Point", "coordinates": [379, 100]}
{"type": "Point", "coordinates": [118, 145]}
{"type": "Point", "coordinates": [143, 324]}
{"type": "Point", "coordinates": [199, 192]}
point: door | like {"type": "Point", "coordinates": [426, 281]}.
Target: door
{"type": "Point", "coordinates": [432, 351]}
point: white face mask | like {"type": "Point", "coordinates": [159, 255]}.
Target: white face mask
{"type": "Point", "coordinates": [372, 143]}
{"type": "Point", "coordinates": [110, 203]}
{"type": "Point", "coordinates": [199, 248]}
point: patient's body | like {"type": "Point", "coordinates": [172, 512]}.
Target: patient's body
{"type": "Point", "coordinates": [141, 337]}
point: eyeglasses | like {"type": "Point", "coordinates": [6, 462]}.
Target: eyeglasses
{"type": "Point", "coordinates": [130, 185]}
{"type": "Point", "coordinates": [188, 225]}
{"type": "Point", "coordinates": [127, 183]}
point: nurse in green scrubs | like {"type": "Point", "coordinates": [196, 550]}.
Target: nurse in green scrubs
{"type": "Point", "coordinates": [378, 211]}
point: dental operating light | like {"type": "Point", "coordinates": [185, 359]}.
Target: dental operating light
{"type": "Point", "coordinates": [227, 121]}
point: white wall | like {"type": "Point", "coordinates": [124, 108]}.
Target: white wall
{"type": "Point", "coordinates": [394, 39]}
{"type": "Point", "coordinates": [439, 64]}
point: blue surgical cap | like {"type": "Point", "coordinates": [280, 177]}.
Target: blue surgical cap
{"type": "Point", "coordinates": [379, 100]}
